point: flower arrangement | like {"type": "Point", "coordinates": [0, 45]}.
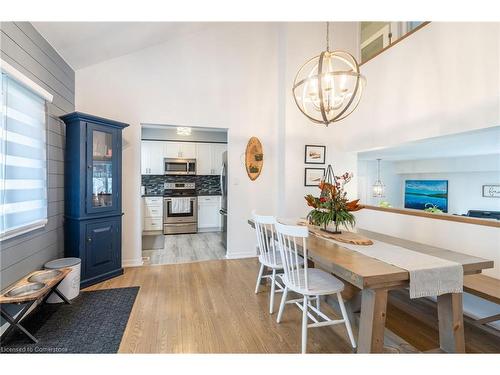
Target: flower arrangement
{"type": "Point", "coordinates": [332, 205]}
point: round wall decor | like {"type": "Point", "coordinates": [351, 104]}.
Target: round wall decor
{"type": "Point", "coordinates": [254, 158]}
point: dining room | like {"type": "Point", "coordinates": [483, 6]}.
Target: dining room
{"type": "Point", "coordinates": [251, 190]}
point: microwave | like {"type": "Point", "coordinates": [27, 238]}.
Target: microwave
{"type": "Point", "coordinates": [179, 166]}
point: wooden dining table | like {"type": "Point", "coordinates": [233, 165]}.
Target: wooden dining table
{"type": "Point", "coordinates": [369, 281]}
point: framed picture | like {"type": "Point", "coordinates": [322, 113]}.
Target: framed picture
{"type": "Point", "coordinates": [421, 194]}
{"type": "Point", "coordinates": [491, 191]}
{"type": "Point", "coordinates": [313, 176]}
{"type": "Point", "coordinates": [315, 154]}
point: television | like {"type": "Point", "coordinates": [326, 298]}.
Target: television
{"type": "Point", "coordinates": [421, 194]}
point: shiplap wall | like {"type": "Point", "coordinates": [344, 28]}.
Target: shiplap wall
{"type": "Point", "coordinates": [24, 48]}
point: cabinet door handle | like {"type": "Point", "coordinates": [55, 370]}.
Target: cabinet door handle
{"type": "Point", "coordinates": [89, 239]}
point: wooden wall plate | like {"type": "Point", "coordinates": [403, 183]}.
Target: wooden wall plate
{"type": "Point", "coordinates": [254, 158]}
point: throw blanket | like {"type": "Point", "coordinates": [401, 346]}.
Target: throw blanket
{"type": "Point", "coordinates": [429, 276]}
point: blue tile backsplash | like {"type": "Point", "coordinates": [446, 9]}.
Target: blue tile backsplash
{"type": "Point", "coordinates": [205, 185]}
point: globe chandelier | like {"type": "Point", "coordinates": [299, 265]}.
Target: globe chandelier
{"type": "Point", "coordinates": [328, 87]}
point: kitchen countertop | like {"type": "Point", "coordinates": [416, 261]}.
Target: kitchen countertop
{"type": "Point", "coordinates": [202, 194]}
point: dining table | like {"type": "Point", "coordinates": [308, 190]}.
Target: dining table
{"type": "Point", "coordinates": [369, 280]}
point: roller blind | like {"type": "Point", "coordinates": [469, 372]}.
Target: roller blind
{"type": "Point", "coordinates": [23, 159]}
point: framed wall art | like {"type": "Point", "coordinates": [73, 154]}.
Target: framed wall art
{"type": "Point", "coordinates": [313, 176]}
{"type": "Point", "coordinates": [315, 154]}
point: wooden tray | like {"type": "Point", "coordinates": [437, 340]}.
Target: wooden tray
{"type": "Point", "coordinates": [345, 236]}
{"type": "Point", "coordinates": [254, 158]}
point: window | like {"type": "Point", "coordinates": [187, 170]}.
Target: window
{"type": "Point", "coordinates": [376, 36]}
{"type": "Point", "coordinates": [23, 154]}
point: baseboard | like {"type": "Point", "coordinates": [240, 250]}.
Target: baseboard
{"type": "Point", "coordinates": [210, 230]}
{"type": "Point", "coordinates": [132, 262]}
{"type": "Point", "coordinates": [240, 255]}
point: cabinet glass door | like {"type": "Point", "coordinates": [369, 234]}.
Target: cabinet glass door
{"type": "Point", "coordinates": [101, 184]}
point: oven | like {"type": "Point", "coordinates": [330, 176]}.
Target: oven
{"type": "Point", "coordinates": [179, 166]}
{"type": "Point", "coordinates": [180, 216]}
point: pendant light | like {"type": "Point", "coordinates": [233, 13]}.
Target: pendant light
{"type": "Point", "coordinates": [378, 186]}
{"type": "Point", "coordinates": [328, 87]}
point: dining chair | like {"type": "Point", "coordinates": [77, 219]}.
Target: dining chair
{"type": "Point", "coordinates": [269, 256]}
{"type": "Point", "coordinates": [310, 283]}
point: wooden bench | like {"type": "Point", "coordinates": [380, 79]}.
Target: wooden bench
{"type": "Point", "coordinates": [485, 287]}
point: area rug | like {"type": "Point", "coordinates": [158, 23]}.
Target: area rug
{"type": "Point", "coordinates": [93, 323]}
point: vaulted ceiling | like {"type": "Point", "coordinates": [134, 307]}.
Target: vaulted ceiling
{"type": "Point", "coordinates": [82, 44]}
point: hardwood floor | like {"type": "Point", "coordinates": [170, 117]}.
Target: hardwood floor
{"type": "Point", "coordinates": [210, 307]}
{"type": "Point", "coordinates": [186, 248]}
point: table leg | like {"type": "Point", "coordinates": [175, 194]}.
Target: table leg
{"type": "Point", "coordinates": [451, 323]}
{"type": "Point", "coordinates": [372, 320]}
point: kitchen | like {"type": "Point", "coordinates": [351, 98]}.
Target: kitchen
{"type": "Point", "coordinates": [183, 193]}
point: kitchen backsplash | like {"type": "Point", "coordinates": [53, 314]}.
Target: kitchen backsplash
{"type": "Point", "coordinates": [205, 185]}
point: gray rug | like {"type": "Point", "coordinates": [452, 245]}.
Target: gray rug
{"type": "Point", "coordinates": [93, 323]}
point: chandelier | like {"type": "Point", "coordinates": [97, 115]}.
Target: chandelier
{"type": "Point", "coordinates": [328, 87]}
{"type": "Point", "coordinates": [378, 187]}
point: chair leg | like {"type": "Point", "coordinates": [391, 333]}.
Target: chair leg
{"type": "Point", "coordinates": [318, 302]}
{"type": "Point", "coordinates": [304, 325]}
{"type": "Point", "coordinates": [273, 288]}
{"type": "Point", "coordinates": [346, 319]}
{"type": "Point", "coordinates": [282, 305]}
{"type": "Point", "coordinates": [259, 277]}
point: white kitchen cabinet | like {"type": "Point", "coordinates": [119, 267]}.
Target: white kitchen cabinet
{"type": "Point", "coordinates": [204, 158]}
{"type": "Point", "coordinates": [152, 209]}
{"type": "Point", "coordinates": [188, 150]}
{"type": "Point", "coordinates": [185, 150]}
{"type": "Point", "coordinates": [209, 158]}
{"type": "Point", "coordinates": [152, 157]}
{"type": "Point", "coordinates": [209, 218]}
{"type": "Point", "coordinates": [172, 150]}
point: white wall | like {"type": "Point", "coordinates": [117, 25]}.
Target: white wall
{"type": "Point", "coordinates": [301, 42]}
{"type": "Point", "coordinates": [224, 76]}
{"type": "Point", "coordinates": [477, 240]}
{"type": "Point", "coordinates": [441, 80]}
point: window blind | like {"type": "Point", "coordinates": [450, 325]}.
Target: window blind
{"type": "Point", "coordinates": [23, 160]}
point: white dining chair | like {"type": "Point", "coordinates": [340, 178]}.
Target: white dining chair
{"type": "Point", "coordinates": [267, 247]}
{"type": "Point", "coordinates": [310, 283]}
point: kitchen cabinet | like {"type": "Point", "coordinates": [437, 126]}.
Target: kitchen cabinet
{"type": "Point", "coordinates": [184, 150]}
{"type": "Point", "coordinates": [209, 218]}
{"type": "Point", "coordinates": [209, 158]}
{"type": "Point", "coordinates": [152, 154]}
{"type": "Point", "coordinates": [204, 158]}
{"type": "Point", "coordinates": [92, 195]}
{"type": "Point", "coordinates": [152, 209]}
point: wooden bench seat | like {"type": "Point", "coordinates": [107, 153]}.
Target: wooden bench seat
{"type": "Point", "coordinates": [485, 287]}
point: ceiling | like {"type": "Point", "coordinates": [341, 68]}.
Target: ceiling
{"type": "Point", "coordinates": [477, 142]}
{"type": "Point", "coordinates": [82, 44]}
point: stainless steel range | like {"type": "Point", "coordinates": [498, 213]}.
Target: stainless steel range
{"type": "Point", "coordinates": [180, 208]}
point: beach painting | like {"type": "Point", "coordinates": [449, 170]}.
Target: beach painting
{"type": "Point", "coordinates": [420, 194]}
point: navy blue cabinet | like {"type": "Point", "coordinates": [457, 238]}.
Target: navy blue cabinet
{"type": "Point", "coordinates": [92, 191]}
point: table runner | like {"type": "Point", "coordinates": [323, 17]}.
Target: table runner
{"type": "Point", "coordinates": [430, 276]}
